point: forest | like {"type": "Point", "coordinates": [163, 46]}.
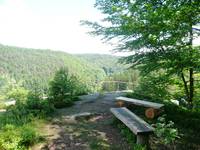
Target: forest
{"type": "Point", "coordinates": [34, 68]}
{"type": "Point", "coordinates": [147, 100]}
{"type": "Point", "coordinates": [34, 78]}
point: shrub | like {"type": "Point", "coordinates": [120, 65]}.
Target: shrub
{"type": "Point", "coordinates": [2, 105]}
{"type": "Point", "coordinates": [63, 88]}
{"type": "Point", "coordinates": [154, 85]}
{"type": "Point", "coordinates": [18, 138]}
{"type": "Point", "coordinates": [19, 94]}
{"type": "Point", "coordinates": [128, 134]}
{"type": "Point", "coordinates": [10, 138]}
{"type": "Point", "coordinates": [183, 117]}
{"type": "Point", "coordinates": [38, 106]}
{"type": "Point", "coordinates": [17, 115]}
{"type": "Point", "coordinates": [24, 112]}
{"type": "Point", "coordinates": [165, 132]}
{"type": "Point", "coordinates": [29, 136]}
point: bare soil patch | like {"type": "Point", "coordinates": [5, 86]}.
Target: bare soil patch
{"type": "Point", "coordinates": [87, 125]}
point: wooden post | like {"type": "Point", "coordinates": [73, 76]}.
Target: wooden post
{"type": "Point", "coordinates": [143, 140]}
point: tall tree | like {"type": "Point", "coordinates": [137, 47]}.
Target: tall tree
{"type": "Point", "coordinates": [160, 32]}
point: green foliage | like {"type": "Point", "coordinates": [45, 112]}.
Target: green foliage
{"type": "Point", "coordinates": [183, 117]}
{"type": "Point", "coordinates": [128, 134]}
{"type": "Point", "coordinates": [99, 144]}
{"type": "Point", "coordinates": [17, 114]}
{"type": "Point", "coordinates": [10, 138]}
{"type": "Point", "coordinates": [108, 63]}
{"type": "Point", "coordinates": [139, 147]}
{"type": "Point", "coordinates": [18, 94]}
{"type": "Point", "coordinates": [166, 132]}
{"type": "Point", "coordinates": [2, 105]}
{"type": "Point", "coordinates": [154, 85]}
{"type": "Point", "coordinates": [35, 68]}
{"type": "Point", "coordinates": [160, 33]}
{"type": "Point", "coordinates": [126, 80]}
{"type": "Point", "coordinates": [16, 130]}
{"type": "Point", "coordinates": [63, 88]}
{"type": "Point", "coordinates": [38, 106]}
{"type": "Point", "coordinates": [186, 121]}
{"type": "Point", "coordinates": [29, 135]}
{"type": "Point", "coordinates": [24, 112]}
{"type": "Point", "coordinates": [6, 85]}
{"type": "Point", "coordinates": [130, 137]}
{"type": "Point", "coordinates": [18, 138]}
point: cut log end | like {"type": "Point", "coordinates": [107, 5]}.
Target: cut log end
{"type": "Point", "coordinates": [120, 103]}
{"type": "Point", "coordinates": [151, 113]}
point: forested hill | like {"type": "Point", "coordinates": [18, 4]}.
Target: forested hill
{"type": "Point", "coordinates": [108, 63]}
{"type": "Point", "coordinates": [34, 68]}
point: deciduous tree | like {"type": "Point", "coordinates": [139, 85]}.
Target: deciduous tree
{"type": "Point", "coordinates": [160, 32]}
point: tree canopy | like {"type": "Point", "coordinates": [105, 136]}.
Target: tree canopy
{"type": "Point", "coordinates": [34, 68]}
{"type": "Point", "coordinates": [160, 32]}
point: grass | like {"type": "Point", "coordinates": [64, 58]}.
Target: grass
{"type": "Point", "coordinates": [2, 105]}
{"type": "Point", "coordinates": [99, 144]}
{"type": "Point", "coordinates": [127, 134]}
{"type": "Point", "coordinates": [20, 137]}
{"type": "Point", "coordinates": [19, 129]}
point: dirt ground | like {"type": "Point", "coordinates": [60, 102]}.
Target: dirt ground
{"type": "Point", "coordinates": [87, 125]}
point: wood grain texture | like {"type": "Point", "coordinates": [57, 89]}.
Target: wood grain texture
{"type": "Point", "coordinates": [140, 102]}
{"type": "Point", "coordinates": [132, 121]}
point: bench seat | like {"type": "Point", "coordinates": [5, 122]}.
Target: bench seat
{"type": "Point", "coordinates": [138, 126]}
{"type": "Point", "coordinates": [153, 109]}
{"type": "Point", "coordinates": [132, 121]}
{"type": "Point", "coordinates": [140, 102]}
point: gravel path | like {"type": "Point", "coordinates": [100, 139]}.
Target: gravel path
{"type": "Point", "coordinates": [87, 125]}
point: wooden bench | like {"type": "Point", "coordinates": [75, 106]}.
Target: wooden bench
{"type": "Point", "coordinates": [153, 109]}
{"type": "Point", "coordinates": [138, 126]}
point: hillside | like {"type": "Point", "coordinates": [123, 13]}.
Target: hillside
{"type": "Point", "coordinates": [34, 68]}
{"type": "Point", "coordinates": [108, 63]}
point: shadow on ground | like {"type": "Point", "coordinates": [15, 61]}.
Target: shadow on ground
{"type": "Point", "coordinates": [85, 126]}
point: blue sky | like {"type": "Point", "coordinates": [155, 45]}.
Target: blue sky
{"type": "Point", "coordinates": [50, 24]}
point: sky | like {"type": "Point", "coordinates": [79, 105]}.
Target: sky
{"type": "Point", "coordinates": [50, 24]}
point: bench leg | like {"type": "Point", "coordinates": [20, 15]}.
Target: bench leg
{"type": "Point", "coordinates": [143, 140]}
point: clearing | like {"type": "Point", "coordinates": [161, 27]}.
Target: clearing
{"type": "Point", "coordinates": [87, 125]}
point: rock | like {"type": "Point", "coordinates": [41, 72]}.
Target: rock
{"type": "Point", "coordinates": [85, 116]}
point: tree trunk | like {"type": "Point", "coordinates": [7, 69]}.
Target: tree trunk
{"type": "Point", "coordinates": [190, 100]}
{"type": "Point", "coordinates": [185, 86]}
{"type": "Point", "coordinates": [191, 70]}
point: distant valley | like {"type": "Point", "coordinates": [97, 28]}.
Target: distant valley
{"type": "Point", "coordinates": [34, 68]}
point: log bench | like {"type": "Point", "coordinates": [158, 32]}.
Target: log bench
{"type": "Point", "coordinates": [153, 109]}
{"type": "Point", "coordinates": [138, 126]}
